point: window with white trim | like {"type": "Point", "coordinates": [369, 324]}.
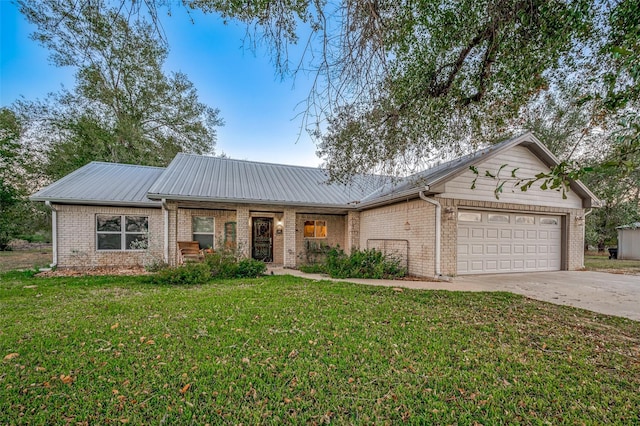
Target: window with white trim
{"type": "Point", "coordinates": [121, 232]}
{"type": "Point", "coordinates": [203, 228]}
{"type": "Point", "coordinates": [315, 229]}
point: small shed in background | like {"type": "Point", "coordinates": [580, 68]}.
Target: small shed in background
{"type": "Point", "coordinates": [629, 241]}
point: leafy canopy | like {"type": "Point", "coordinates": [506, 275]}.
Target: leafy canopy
{"type": "Point", "coordinates": [124, 107]}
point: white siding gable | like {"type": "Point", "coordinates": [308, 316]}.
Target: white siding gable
{"type": "Point", "coordinates": [528, 165]}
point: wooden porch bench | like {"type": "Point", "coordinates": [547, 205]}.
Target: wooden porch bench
{"type": "Point", "coordinates": [190, 251]}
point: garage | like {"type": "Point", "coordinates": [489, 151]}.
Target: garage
{"type": "Point", "coordinates": [491, 242]}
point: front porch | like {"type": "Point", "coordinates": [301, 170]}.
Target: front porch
{"type": "Point", "coordinates": [278, 236]}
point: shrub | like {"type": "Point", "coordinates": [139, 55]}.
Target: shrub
{"type": "Point", "coordinates": [363, 264]}
{"type": "Point", "coordinates": [318, 268]}
{"type": "Point", "coordinates": [187, 274]}
{"type": "Point", "coordinates": [250, 268]}
{"type": "Point", "coordinates": [225, 264]}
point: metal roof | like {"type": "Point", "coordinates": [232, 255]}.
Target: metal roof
{"type": "Point", "coordinates": [196, 177]}
{"type": "Point", "coordinates": [192, 177]}
{"type": "Point", "coordinates": [103, 183]}
{"type": "Point", "coordinates": [445, 171]}
{"type": "Point", "coordinates": [634, 225]}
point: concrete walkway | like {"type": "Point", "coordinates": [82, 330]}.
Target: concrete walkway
{"type": "Point", "coordinates": [610, 294]}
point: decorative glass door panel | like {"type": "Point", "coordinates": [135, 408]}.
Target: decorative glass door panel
{"type": "Point", "coordinates": [262, 247]}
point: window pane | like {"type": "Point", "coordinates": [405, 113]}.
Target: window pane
{"type": "Point", "coordinates": [108, 223]}
{"type": "Point", "coordinates": [498, 218]}
{"type": "Point", "coordinates": [109, 242]}
{"type": "Point", "coordinates": [321, 229]}
{"type": "Point", "coordinates": [136, 241]}
{"type": "Point", "coordinates": [309, 229]}
{"type": "Point", "coordinates": [548, 221]}
{"type": "Point", "coordinates": [206, 241]}
{"type": "Point", "coordinates": [469, 217]}
{"type": "Point", "coordinates": [525, 220]}
{"type": "Point", "coordinates": [202, 224]}
{"type": "Point", "coordinates": [137, 224]}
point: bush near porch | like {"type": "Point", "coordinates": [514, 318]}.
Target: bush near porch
{"type": "Point", "coordinates": [277, 349]}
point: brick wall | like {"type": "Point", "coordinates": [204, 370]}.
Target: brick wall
{"type": "Point", "coordinates": [77, 237]}
{"type": "Point", "coordinates": [289, 238]}
{"type": "Point", "coordinates": [336, 235]}
{"type": "Point", "coordinates": [388, 222]}
{"type": "Point", "coordinates": [220, 217]}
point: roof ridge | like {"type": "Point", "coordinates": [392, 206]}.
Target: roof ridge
{"type": "Point", "coordinates": [125, 165]}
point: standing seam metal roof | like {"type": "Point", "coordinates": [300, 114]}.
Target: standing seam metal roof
{"type": "Point", "coordinates": [103, 183]}
{"type": "Point", "coordinates": [202, 178]}
{"type": "Point", "coordinates": [199, 177]}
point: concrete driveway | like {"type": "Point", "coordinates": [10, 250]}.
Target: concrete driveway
{"type": "Point", "coordinates": [610, 294]}
{"type": "Point", "coordinates": [601, 292]}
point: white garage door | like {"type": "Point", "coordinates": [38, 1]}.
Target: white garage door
{"type": "Point", "coordinates": [496, 242]}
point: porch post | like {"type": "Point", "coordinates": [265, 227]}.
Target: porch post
{"type": "Point", "coordinates": [243, 231]}
{"type": "Point", "coordinates": [289, 238]}
{"type": "Point", "coordinates": [353, 231]}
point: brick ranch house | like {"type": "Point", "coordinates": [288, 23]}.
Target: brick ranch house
{"type": "Point", "coordinates": [285, 215]}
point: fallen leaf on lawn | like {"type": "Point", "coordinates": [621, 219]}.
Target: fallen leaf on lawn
{"type": "Point", "coordinates": [185, 388]}
{"type": "Point", "coordinates": [30, 286]}
{"type": "Point", "coordinates": [114, 326]}
{"type": "Point", "coordinates": [66, 379]}
{"type": "Point", "coordinates": [11, 356]}
{"type": "Point", "coordinates": [398, 289]}
{"type": "Point", "coordinates": [150, 342]}
{"type": "Point", "coordinates": [124, 420]}
{"type": "Point", "coordinates": [246, 360]}
{"type": "Point", "coordinates": [293, 354]}
{"type": "Point", "coordinates": [38, 368]}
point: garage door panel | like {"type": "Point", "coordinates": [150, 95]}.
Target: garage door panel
{"type": "Point", "coordinates": [512, 246]}
{"type": "Point", "coordinates": [505, 233]}
{"type": "Point", "coordinates": [477, 233]}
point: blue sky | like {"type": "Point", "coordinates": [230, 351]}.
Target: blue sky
{"type": "Point", "coordinates": [259, 109]}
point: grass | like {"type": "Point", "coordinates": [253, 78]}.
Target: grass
{"type": "Point", "coordinates": [601, 262]}
{"type": "Point", "coordinates": [25, 259]}
{"type": "Point", "coordinates": [279, 349]}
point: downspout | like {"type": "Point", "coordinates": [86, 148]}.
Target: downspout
{"type": "Point", "coordinates": [584, 231]}
{"type": "Point", "coordinates": [54, 233]}
{"type": "Point", "coordinates": [165, 217]}
{"type": "Point", "coordinates": [438, 226]}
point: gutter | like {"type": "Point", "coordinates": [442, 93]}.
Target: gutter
{"type": "Point", "coordinates": [54, 233]}
{"type": "Point", "coordinates": [165, 217]}
{"type": "Point", "coordinates": [438, 227]}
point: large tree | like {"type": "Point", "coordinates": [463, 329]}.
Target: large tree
{"type": "Point", "coordinates": [124, 107]}
{"type": "Point", "coordinates": [401, 81]}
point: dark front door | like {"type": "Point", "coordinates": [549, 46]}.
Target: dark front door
{"type": "Point", "coordinates": [262, 247]}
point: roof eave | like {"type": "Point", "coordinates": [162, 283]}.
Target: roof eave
{"type": "Point", "coordinates": [106, 203]}
{"type": "Point", "coordinates": [249, 201]}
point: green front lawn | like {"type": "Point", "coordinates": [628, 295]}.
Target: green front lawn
{"type": "Point", "coordinates": [286, 350]}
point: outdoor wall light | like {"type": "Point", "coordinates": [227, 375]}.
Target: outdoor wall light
{"type": "Point", "coordinates": [450, 213]}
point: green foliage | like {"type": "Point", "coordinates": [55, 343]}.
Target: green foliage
{"type": "Point", "coordinates": [225, 264]}
{"type": "Point", "coordinates": [125, 107]}
{"type": "Point", "coordinates": [250, 268]}
{"type": "Point", "coordinates": [362, 264]}
{"type": "Point", "coordinates": [187, 274]}
{"type": "Point", "coordinates": [315, 268]}
{"type": "Point", "coordinates": [13, 179]}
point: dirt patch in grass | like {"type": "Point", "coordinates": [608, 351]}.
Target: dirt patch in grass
{"type": "Point", "coordinates": [26, 259]}
{"type": "Point", "coordinates": [128, 271]}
